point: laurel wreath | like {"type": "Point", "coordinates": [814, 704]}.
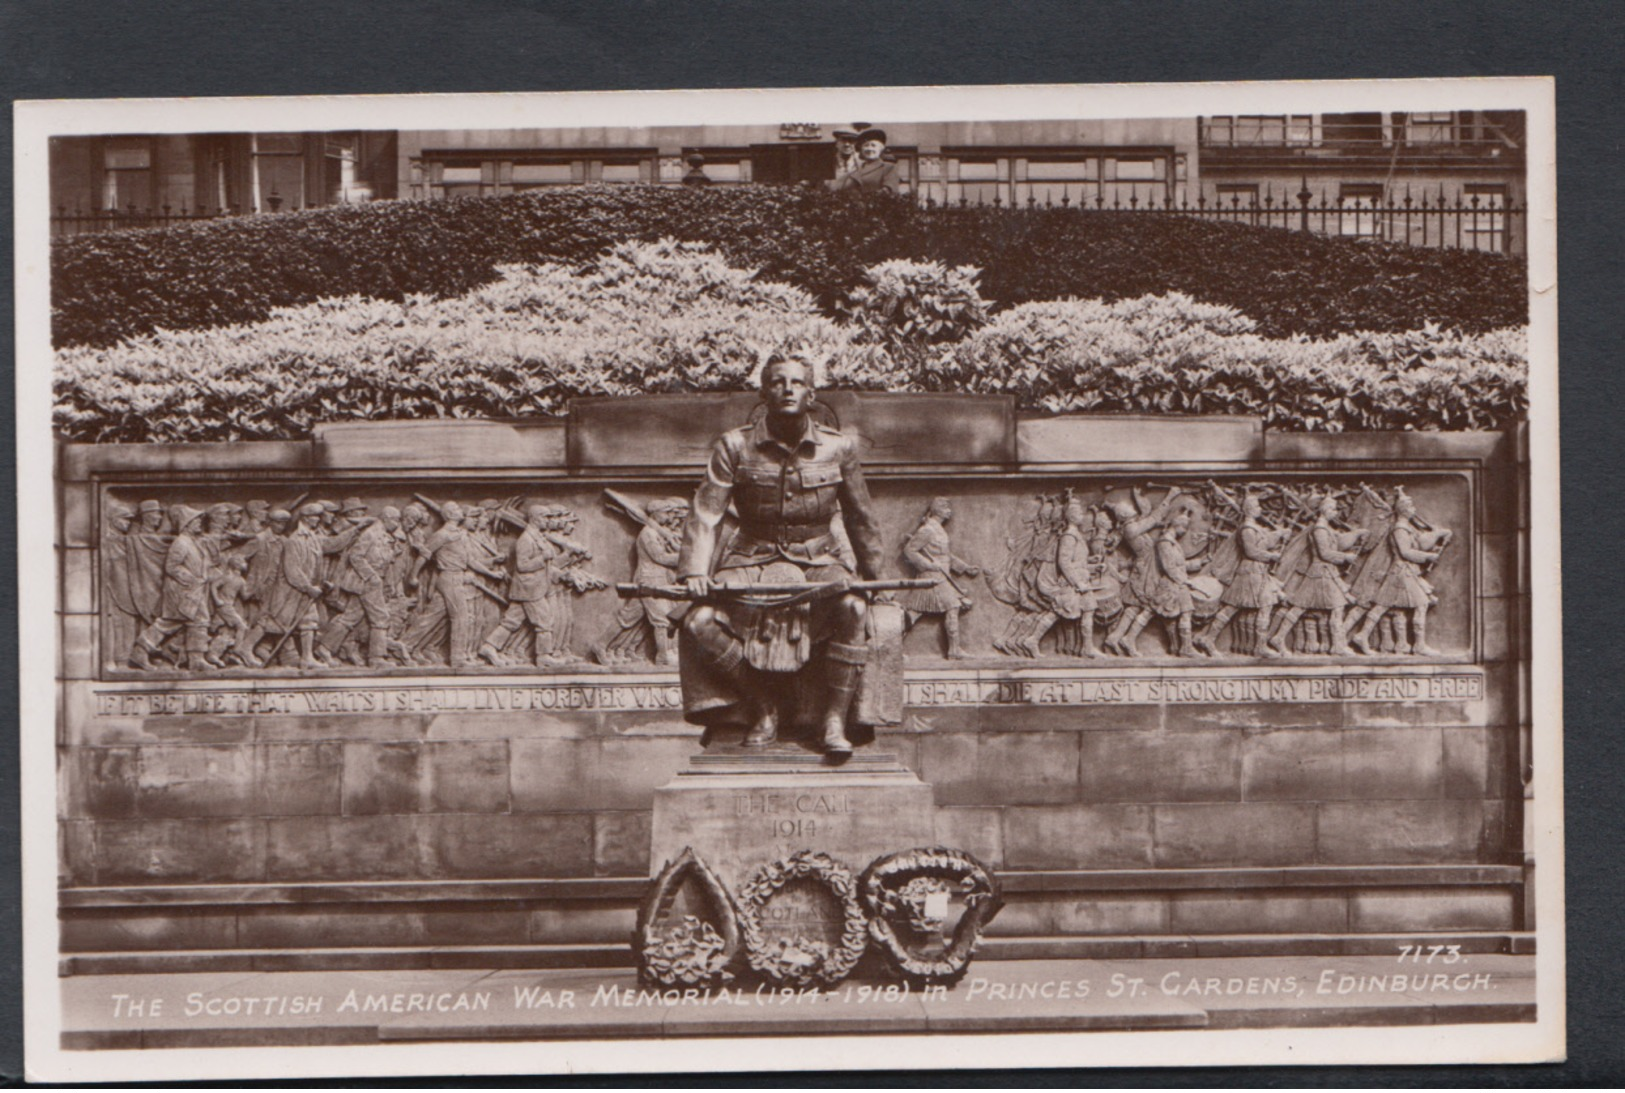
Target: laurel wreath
{"type": "Point", "coordinates": [803, 961]}
{"type": "Point", "coordinates": [687, 952]}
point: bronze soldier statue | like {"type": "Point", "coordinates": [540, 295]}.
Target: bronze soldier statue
{"type": "Point", "coordinates": [788, 477]}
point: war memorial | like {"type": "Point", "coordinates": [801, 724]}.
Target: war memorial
{"type": "Point", "coordinates": [640, 681]}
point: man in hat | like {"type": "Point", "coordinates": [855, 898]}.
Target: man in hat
{"type": "Point", "coordinates": [846, 155]}
{"type": "Point", "coordinates": [658, 544]}
{"type": "Point", "coordinates": [265, 587]}
{"type": "Point", "coordinates": [363, 573]}
{"type": "Point", "coordinates": [788, 477]}
{"type": "Point", "coordinates": [874, 171]}
{"type": "Point", "coordinates": [303, 558]}
{"type": "Point", "coordinates": [533, 553]}
{"type": "Point", "coordinates": [184, 603]}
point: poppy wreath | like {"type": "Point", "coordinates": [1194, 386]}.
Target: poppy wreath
{"type": "Point", "coordinates": [801, 961]}
{"type": "Point", "coordinates": [895, 890]}
{"type": "Point", "coordinates": [691, 951]}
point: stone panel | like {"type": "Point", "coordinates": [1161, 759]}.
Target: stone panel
{"type": "Point", "coordinates": [1497, 554]}
{"type": "Point", "coordinates": [1476, 761]}
{"type": "Point", "coordinates": [1251, 834]}
{"type": "Point", "coordinates": [405, 728]}
{"type": "Point", "coordinates": [502, 726]}
{"type": "Point", "coordinates": [180, 851]}
{"type": "Point", "coordinates": [299, 779]}
{"type": "Point", "coordinates": [77, 593]}
{"type": "Point", "coordinates": [488, 924]}
{"type": "Point", "coordinates": [540, 845]}
{"type": "Point", "coordinates": [1160, 766]}
{"type": "Point", "coordinates": [1393, 763]}
{"type": "Point", "coordinates": [629, 770]}
{"type": "Point", "coordinates": [977, 831]}
{"type": "Point", "coordinates": [1015, 768]}
{"type": "Point", "coordinates": [436, 443]}
{"type": "Point", "coordinates": [205, 780]}
{"type": "Point", "coordinates": [948, 764]}
{"type": "Point", "coordinates": [1258, 913]}
{"type": "Point", "coordinates": [1097, 913]}
{"type": "Point", "coordinates": [1254, 716]}
{"type": "Point", "coordinates": [315, 848]}
{"type": "Point", "coordinates": [553, 775]}
{"type": "Point", "coordinates": [621, 844]}
{"type": "Point", "coordinates": [382, 779]}
{"type": "Point", "coordinates": [99, 782]}
{"type": "Point", "coordinates": [1292, 765]}
{"type": "Point", "coordinates": [171, 928]}
{"type": "Point", "coordinates": [76, 852]}
{"type": "Point", "coordinates": [1077, 837]}
{"type": "Point", "coordinates": [320, 927]}
{"type": "Point", "coordinates": [1138, 438]}
{"type": "Point", "coordinates": [1398, 832]}
{"type": "Point", "coordinates": [78, 645]}
{"type": "Point", "coordinates": [581, 924]}
{"type": "Point", "coordinates": [76, 503]}
{"type": "Point", "coordinates": [466, 775]}
{"type": "Point", "coordinates": [1413, 909]}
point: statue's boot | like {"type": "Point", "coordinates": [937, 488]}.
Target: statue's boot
{"type": "Point", "coordinates": [845, 665]}
{"type": "Point", "coordinates": [765, 729]}
{"type": "Point", "coordinates": [490, 652]}
{"type": "Point", "coordinates": [1187, 643]}
{"type": "Point", "coordinates": [1277, 641]}
{"type": "Point", "coordinates": [1087, 625]}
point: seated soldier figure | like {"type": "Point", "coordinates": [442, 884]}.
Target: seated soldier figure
{"type": "Point", "coordinates": [788, 477]}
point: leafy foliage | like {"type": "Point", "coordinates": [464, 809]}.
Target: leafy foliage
{"type": "Point", "coordinates": [669, 316]}
{"type": "Point", "coordinates": [115, 285]}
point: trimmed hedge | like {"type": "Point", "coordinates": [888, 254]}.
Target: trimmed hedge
{"type": "Point", "coordinates": [115, 285]}
{"type": "Point", "coordinates": [673, 316]}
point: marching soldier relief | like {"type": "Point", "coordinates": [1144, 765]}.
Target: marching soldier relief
{"type": "Point", "coordinates": [1256, 570]}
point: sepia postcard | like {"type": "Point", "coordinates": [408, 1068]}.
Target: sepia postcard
{"type": "Point", "coordinates": [872, 578]}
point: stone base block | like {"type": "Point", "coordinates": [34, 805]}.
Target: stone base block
{"type": "Point", "coordinates": [740, 811]}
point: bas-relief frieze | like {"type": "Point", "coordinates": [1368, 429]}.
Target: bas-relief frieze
{"type": "Point", "coordinates": [1249, 570]}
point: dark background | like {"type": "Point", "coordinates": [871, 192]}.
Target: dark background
{"type": "Point", "coordinates": [111, 48]}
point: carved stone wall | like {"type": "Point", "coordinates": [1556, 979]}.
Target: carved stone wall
{"type": "Point", "coordinates": [1389, 783]}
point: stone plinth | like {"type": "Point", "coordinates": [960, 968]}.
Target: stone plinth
{"type": "Point", "coordinates": [741, 809]}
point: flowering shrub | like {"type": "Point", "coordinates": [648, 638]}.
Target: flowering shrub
{"type": "Point", "coordinates": [905, 303]}
{"type": "Point", "coordinates": [669, 316]}
{"type": "Point", "coordinates": [236, 270]}
{"type": "Point", "coordinates": [1172, 354]}
{"type": "Point", "coordinates": [652, 317]}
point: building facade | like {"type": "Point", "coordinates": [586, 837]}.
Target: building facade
{"type": "Point", "coordinates": [1451, 178]}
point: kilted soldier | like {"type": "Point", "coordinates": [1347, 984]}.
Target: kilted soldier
{"type": "Point", "coordinates": [788, 477]}
{"type": "Point", "coordinates": [363, 574]}
{"type": "Point", "coordinates": [928, 552]}
{"type": "Point", "coordinates": [184, 602]}
{"type": "Point", "coordinates": [1137, 522]}
{"type": "Point", "coordinates": [1170, 596]}
{"type": "Point", "coordinates": [1253, 588]}
{"type": "Point", "coordinates": [1322, 587]}
{"type": "Point", "coordinates": [1404, 588]}
{"type": "Point", "coordinates": [533, 553]}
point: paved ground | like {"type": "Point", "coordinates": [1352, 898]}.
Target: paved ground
{"type": "Point", "coordinates": [343, 1007]}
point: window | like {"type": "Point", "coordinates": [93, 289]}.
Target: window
{"type": "Point", "coordinates": [529, 176]}
{"type": "Point", "coordinates": [1364, 128]}
{"type": "Point", "coordinates": [340, 186]}
{"type": "Point", "coordinates": [620, 171]}
{"type": "Point", "coordinates": [461, 181]}
{"type": "Point", "coordinates": [1430, 128]}
{"type": "Point", "coordinates": [1357, 203]}
{"type": "Point", "coordinates": [1483, 217]}
{"type": "Point", "coordinates": [127, 175]}
{"type": "Point", "coordinates": [1052, 181]}
{"type": "Point", "coordinates": [978, 181]}
{"type": "Point", "coordinates": [1270, 130]}
{"type": "Point", "coordinates": [279, 171]}
{"type": "Point", "coordinates": [1135, 182]}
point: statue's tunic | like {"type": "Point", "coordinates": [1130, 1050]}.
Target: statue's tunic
{"type": "Point", "coordinates": [1170, 592]}
{"type": "Point", "coordinates": [1065, 585]}
{"type": "Point", "coordinates": [787, 497]}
